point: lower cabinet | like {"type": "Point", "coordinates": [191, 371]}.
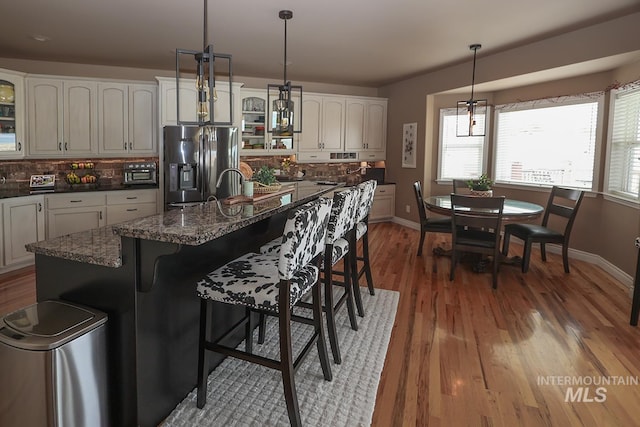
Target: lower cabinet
{"type": "Point", "coordinates": [71, 213]}
{"type": "Point", "coordinates": [22, 223]}
{"type": "Point", "coordinates": [384, 203]}
{"type": "Point", "coordinates": [130, 204]}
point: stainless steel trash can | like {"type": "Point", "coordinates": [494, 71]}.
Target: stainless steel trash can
{"type": "Point", "coordinates": [53, 365]}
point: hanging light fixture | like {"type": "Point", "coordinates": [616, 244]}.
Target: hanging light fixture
{"type": "Point", "coordinates": [471, 114]}
{"type": "Point", "coordinates": [283, 122]}
{"type": "Point", "coordinates": [205, 82]}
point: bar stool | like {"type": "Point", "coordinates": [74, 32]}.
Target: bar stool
{"type": "Point", "coordinates": [271, 285]}
{"type": "Point", "coordinates": [367, 192]}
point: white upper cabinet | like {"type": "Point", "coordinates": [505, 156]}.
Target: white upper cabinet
{"type": "Point", "coordinates": [128, 119]}
{"type": "Point", "coordinates": [63, 118]}
{"type": "Point", "coordinates": [12, 112]}
{"type": "Point", "coordinates": [322, 123]}
{"type": "Point", "coordinates": [188, 99]}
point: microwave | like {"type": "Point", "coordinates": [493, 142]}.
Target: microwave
{"type": "Point", "coordinates": [140, 173]}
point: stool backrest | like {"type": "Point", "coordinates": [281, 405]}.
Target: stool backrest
{"type": "Point", "coordinates": [343, 213]}
{"type": "Point", "coordinates": [368, 190]}
{"type": "Point", "coordinates": [304, 236]}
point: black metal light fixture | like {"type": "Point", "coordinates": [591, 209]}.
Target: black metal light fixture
{"type": "Point", "coordinates": [205, 82]}
{"type": "Point", "coordinates": [281, 110]}
{"type": "Point", "coordinates": [471, 115]}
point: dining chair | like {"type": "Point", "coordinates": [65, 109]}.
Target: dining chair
{"type": "Point", "coordinates": [562, 203]}
{"type": "Point", "coordinates": [475, 227]}
{"type": "Point", "coordinates": [271, 285]}
{"type": "Point", "coordinates": [432, 225]}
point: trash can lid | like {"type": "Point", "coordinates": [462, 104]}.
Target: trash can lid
{"type": "Point", "coordinates": [47, 318]}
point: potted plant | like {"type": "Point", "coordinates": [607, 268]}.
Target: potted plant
{"type": "Point", "coordinates": [481, 186]}
{"type": "Point", "coordinates": [264, 180]}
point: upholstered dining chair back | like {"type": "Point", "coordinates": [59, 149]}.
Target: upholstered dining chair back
{"type": "Point", "coordinates": [343, 213]}
{"type": "Point", "coordinates": [304, 236]}
{"type": "Point", "coordinates": [367, 191]}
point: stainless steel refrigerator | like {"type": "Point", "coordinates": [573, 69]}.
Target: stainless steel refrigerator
{"type": "Point", "coordinates": [194, 157]}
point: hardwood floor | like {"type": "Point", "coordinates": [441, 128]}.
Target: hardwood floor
{"type": "Point", "coordinates": [462, 354]}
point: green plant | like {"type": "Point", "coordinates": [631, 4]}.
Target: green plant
{"type": "Point", "coordinates": [483, 183]}
{"type": "Point", "coordinates": [265, 176]}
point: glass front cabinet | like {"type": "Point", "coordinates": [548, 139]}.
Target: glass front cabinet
{"type": "Point", "coordinates": [256, 138]}
{"type": "Point", "coordinates": [11, 114]}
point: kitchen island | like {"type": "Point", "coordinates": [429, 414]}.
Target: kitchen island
{"type": "Point", "coordinates": [142, 273]}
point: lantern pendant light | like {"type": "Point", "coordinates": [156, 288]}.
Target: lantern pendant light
{"type": "Point", "coordinates": [283, 121]}
{"type": "Point", "coordinates": [205, 83]}
{"type": "Point", "coordinates": [471, 115]}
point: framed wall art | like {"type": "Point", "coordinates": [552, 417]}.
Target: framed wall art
{"type": "Point", "coordinates": [409, 141]}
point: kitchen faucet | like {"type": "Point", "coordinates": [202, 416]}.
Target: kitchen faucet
{"type": "Point", "coordinates": [230, 170]}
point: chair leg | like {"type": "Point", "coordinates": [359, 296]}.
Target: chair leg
{"type": "Point", "coordinates": [355, 276]}
{"type": "Point", "coordinates": [496, 267]}
{"type": "Point", "coordinates": [203, 360]}
{"type": "Point", "coordinates": [505, 244]}
{"type": "Point", "coordinates": [367, 264]}
{"type": "Point", "coordinates": [422, 235]}
{"type": "Point", "coordinates": [565, 257]}
{"type": "Point", "coordinates": [286, 365]}
{"type": "Point", "coordinates": [262, 326]}
{"type": "Point", "coordinates": [453, 264]}
{"type": "Point", "coordinates": [331, 315]}
{"type": "Point", "coordinates": [317, 324]}
{"type": "Point", "coordinates": [349, 291]}
{"type": "Point", "coordinates": [543, 252]}
{"type": "Point", "coordinates": [526, 256]}
{"type": "Point", "coordinates": [248, 332]}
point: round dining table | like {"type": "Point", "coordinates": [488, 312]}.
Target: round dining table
{"type": "Point", "coordinates": [514, 210]}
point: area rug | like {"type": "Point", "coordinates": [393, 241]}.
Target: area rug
{"type": "Point", "coordinates": [245, 394]}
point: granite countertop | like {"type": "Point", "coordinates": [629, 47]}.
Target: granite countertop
{"type": "Point", "coordinates": [192, 225]}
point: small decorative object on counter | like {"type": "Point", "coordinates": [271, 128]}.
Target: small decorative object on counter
{"type": "Point", "coordinates": [481, 187]}
{"type": "Point", "coordinates": [81, 173]}
{"type": "Point", "coordinates": [264, 181]}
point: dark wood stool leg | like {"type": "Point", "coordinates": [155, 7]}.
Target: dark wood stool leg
{"type": "Point", "coordinates": [261, 328]}
{"type": "Point", "coordinates": [367, 264]}
{"type": "Point", "coordinates": [526, 256]}
{"type": "Point", "coordinates": [248, 332]}
{"type": "Point", "coordinates": [203, 359]}
{"type": "Point", "coordinates": [355, 275]}
{"type": "Point", "coordinates": [565, 257]}
{"type": "Point", "coordinates": [286, 362]}
{"type": "Point", "coordinates": [543, 252]}
{"type": "Point", "coordinates": [348, 289]}
{"type": "Point", "coordinates": [330, 313]}
{"type": "Point", "coordinates": [505, 244]}
{"type": "Point", "coordinates": [317, 324]}
{"type": "Point", "coordinates": [422, 234]}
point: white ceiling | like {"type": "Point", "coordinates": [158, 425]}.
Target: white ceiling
{"type": "Point", "coordinates": [354, 42]}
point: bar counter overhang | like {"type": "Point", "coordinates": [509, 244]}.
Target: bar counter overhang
{"type": "Point", "coordinates": [148, 291]}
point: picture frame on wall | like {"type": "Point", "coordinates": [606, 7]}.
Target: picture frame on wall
{"type": "Point", "coordinates": [409, 141]}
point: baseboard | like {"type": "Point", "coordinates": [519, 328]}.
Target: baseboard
{"type": "Point", "coordinates": [624, 278]}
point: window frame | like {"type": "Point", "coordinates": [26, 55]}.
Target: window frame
{"type": "Point", "coordinates": [598, 97]}
{"type": "Point", "coordinates": [452, 111]}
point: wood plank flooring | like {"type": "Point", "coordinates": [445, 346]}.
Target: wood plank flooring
{"type": "Point", "coordinates": [462, 354]}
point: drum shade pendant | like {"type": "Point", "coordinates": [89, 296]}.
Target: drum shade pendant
{"type": "Point", "coordinates": [471, 115]}
{"type": "Point", "coordinates": [206, 94]}
{"type": "Point", "coordinates": [283, 122]}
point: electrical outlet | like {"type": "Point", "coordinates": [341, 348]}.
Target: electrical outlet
{"type": "Point", "coordinates": [407, 208]}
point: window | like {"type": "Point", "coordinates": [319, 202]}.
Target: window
{"type": "Point", "coordinates": [459, 157]}
{"type": "Point", "coordinates": [547, 143]}
{"type": "Point", "coordinates": [624, 145]}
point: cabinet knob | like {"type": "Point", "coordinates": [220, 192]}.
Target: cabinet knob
{"type": "Point", "coordinates": [125, 145]}
{"type": "Point", "coordinates": [131, 146]}
{"type": "Point", "coordinates": [60, 146]}
{"type": "Point", "coordinates": [65, 146]}
{"type": "Point", "coordinates": [39, 207]}
{"type": "Point", "coordinates": [100, 214]}
{"type": "Point", "coordinates": [132, 210]}
{"type": "Point", "coordinates": [19, 146]}
{"type": "Point", "coordinates": [132, 197]}
{"type": "Point", "coordinates": [75, 201]}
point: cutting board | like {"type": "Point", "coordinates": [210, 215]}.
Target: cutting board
{"type": "Point", "coordinates": [257, 197]}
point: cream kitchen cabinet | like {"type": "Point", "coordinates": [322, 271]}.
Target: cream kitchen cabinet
{"type": "Point", "coordinates": [366, 128]}
{"type": "Point", "coordinates": [130, 204]}
{"type": "Point", "coordinates": [127, 119]}
{"type": "Point", "coordinates": [62, 117]}
{"type": "Point", "coordinates": [384, 203]}
{"type": "Point", "coordinates": [73, 212]}
{"type": "Point", "coordinates": [188, 97]}
{"type": "Point", "coordinates": [323, 120]}
{"type": "Point", "coordinates": [12, 114]}
{"type": "Point", "coordinates": [23, 222]}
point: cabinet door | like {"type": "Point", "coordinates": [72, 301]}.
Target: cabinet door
{"type": "Point", "coordinates": [376, 126]}
{"type": "Point", "coordinates": [45, 106]}
{"type": "Point", "coordinates": [169, 101]}
{"type": "Point", "coordinates": [142, 119]}
{"type": "Point", "coordinates": [12, 112]}
{"type": "Point", "coordinates": [354, 125]}
{"type": "Point", "coordinates": [121, 213]}
{"type": "Point", "coordinates": [80, 117]}
{"type": "Point", "coordinates": [113, 112]}
{"type": "Point", "coordinates": [23, 223]}
{"type": "Point", "coordinates": [332, 123]}
{"type": "Point", "coordinates": [72, 220]}
{"type": "Point", "coordinates": [311, 120]}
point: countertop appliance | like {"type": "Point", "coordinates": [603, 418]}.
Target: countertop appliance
{"type": "Point", "coordinates": [42, 183]}
{"type": "Point", "coordinates": [54, 366]}
{"type": "Point", "coordinates": [194, 158]}
{"type": "Point", "coordinates": [374, 173]}
{"type": "Point", "coordinates": [139, 173]}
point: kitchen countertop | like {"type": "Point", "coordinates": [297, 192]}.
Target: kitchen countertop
{"type": "Point", "coordinates": [20, 190]}
{"type": "Point", "coordinates": [193, 225]}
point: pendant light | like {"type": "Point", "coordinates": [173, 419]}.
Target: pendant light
{"type": "Point", "coordinates": [471, 114]}
{"type": "Point", "coordinates": [283, 121]}
{"type": "Point", "coordinates": [205, 82]}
